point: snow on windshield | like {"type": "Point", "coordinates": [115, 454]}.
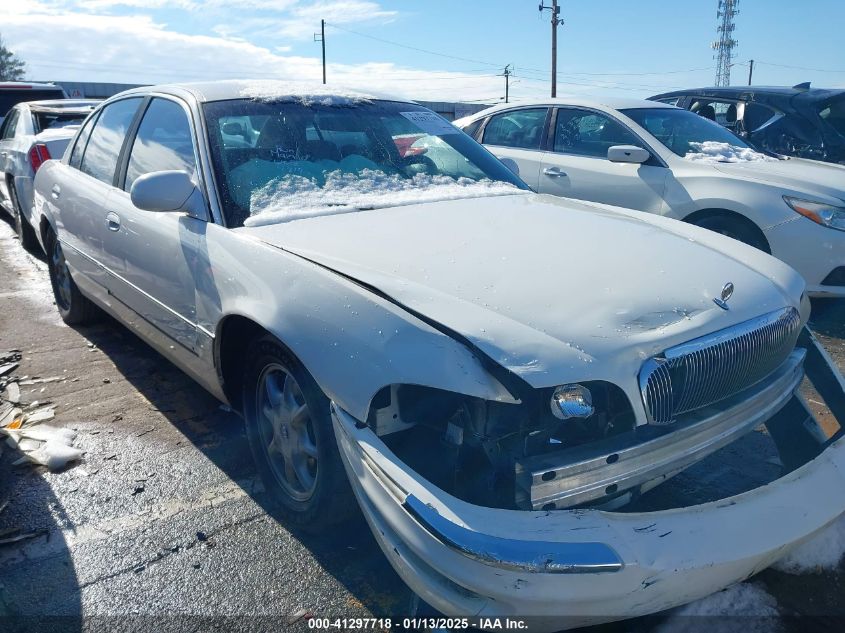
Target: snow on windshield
{"type": "Point", "coordinates": [295, 197]}
{"type": "Point", "coordinates": [716, 152]}
{"type": "Point", "coordinates": [304, 93]}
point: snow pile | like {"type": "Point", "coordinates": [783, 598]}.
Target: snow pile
{"type": "Point", "coordinates": [823, 552]}
{"type": "Point", "coordinates": [304, 93]}
{"type": "Point", "coordinates": [294, 197]}
{"type": "Point", "coordinates": [715, 152]}
{"type": "Point", "coordinates": [741, 608]}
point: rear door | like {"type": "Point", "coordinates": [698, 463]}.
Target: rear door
{"type": "Point", "coordinates": [517, 135]}
{"type": "Point", "coordinates": [155, 254]}
{"type": "Point", "coordinates": [577, 165]}
{"type": "Point", "coordinates": [81, 187]}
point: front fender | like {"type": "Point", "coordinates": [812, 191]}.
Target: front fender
{"type": "Point", "coordinates": [352, 342]}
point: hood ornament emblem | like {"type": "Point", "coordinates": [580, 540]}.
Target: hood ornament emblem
{"type": "Point", "coordinates": [727, 293]}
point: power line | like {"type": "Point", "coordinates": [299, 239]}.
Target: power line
{"type": "Point", "coordinates": [413, 48]}
{"type": "Point", "coordinates": [815, 70]}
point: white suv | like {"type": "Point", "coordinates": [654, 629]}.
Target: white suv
{"type": "Point", "coordinates": [658, 158]}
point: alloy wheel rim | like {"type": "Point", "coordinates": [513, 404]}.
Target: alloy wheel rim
{"type": "Point", "coordinates": [62, 276]}
{"type": "Point", "coordinates": [286, 431]}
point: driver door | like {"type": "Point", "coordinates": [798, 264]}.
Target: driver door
{"type": "Point", "coordinates": [577, 166]}
{"type": "Point", "coordinates": [157, 254]}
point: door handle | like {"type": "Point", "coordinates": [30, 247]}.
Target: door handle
{"type": "Point", "coordinates": [55, 192]}
{"type": "Point", "coordinates": [554, 172]}
{"type": "Point", "coordinates": [113, 221]}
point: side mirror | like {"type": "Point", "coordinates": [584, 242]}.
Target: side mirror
{"type": "Point", "coordinates": [627, 154]}
{"type": "Point", "coordinates": [167, 191]}
{"type": "Point", "coordinates": [510, 163]}
{"type": "Point", "coordinates": [233, 129]}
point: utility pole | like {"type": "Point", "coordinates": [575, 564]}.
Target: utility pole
{"type": "Point", "coordinates": [556, 20]}
{"type": "Point", "coordinates": [724, 47]}
{"type": "Point", "coordinates": [322, 39]}
{"type": "Point", "coordinates": [750, 71]}
{"type": "Point", "coordinates": [506, 74]}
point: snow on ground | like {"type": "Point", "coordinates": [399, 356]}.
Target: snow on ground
{"type": "Point", "coordinates": [295, 197]}
{"type": "Point", "coordinates": [305, 93]}
{"type": "Point", "coordinates": [823, 552]}
{"type": "Point", "coordinates": [744, 608]}
{"type": "Point", "coordinates": [715, 152]}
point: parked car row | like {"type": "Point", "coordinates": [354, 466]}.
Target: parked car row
{"type": "Point", "coordinates": [492, 373]}
{"type": "Point", "coordinates": [660, 159]}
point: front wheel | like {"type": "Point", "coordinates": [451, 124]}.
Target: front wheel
{"type": "Point", "coordinates": [74, 307]}
{"type": "Point", "coordinates": [748, 234]}
{"type": "Point", "coordinates": [290, 434]}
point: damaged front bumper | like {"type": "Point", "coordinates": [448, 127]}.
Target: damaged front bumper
{"type": "Point", "coordinates": [570, 568]}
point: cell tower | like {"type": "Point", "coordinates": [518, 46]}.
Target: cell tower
{"type": "Point", "coordinates": [724, 47]}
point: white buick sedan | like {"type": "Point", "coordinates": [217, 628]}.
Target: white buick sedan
{"type": "Point", "coordinates": [496, 373]}
{"type": "Point", "coordinates": [661, 159]}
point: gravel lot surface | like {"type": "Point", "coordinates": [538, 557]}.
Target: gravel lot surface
{"type": "Point", "coordinates": [163, 522]}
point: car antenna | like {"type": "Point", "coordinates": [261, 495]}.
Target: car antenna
{"type": "Point", "coordinates": [803, 86]}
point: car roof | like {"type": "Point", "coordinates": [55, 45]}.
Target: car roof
{"type": "Point", "coordinates": [28, 85]}
{"type": "Point", "coordinates": [604, 103]}
{"type": "Point", "coordinates": [733, 91]}
{"type": "Point", "coordinates": [206, 91]}
{"type": "Point", "coordinates": [62, 105]}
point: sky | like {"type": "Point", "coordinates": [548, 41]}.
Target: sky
{"type": "Point", "coordinates": [426, 49]}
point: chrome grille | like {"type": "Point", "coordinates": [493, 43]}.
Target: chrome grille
{"type": "Point", "coordinates": [708, 369]}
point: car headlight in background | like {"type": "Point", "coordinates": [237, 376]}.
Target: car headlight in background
{"type": "Point", "coordinates": [572, 401]}
{"type": "Point", "coordinates": [819, 212]}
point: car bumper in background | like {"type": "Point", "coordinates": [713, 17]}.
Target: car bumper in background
{"type": "Point", "coordinates": [813, 250]}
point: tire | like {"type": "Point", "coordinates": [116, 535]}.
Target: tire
{"type": "Point", "coordinates": [25, 232]}
{"type": "Point", "coordinates": [290, 433]}
{"type": "Point", "coordinates": [74, 307]}
{"type": "Point", "coordinates": [738, 230]}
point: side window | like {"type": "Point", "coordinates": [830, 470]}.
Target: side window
{"type": "Point", "coordinates": [9, 125]}
{"type": "Point", "coordinates": [100, 157]}
{"type": "Point", "coordinates": [756, 116]}
{"type": "Point", "coordinates": [472, 128]}
{"type": "Point", "coordinates": [585, 133]}
{"type": "Point", "coordinates": [670, 100]}
{"type": "Point", "coordinates": [81, 141]}
{"type": "Point", "coordinates": [163, 142]}
{"type": "Point", "coordinates": [518, 128]}
{"type": "Point", "coordinates": [722, 112]}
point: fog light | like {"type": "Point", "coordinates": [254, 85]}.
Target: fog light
{"type": "Point", "coordinates": [572, 401]}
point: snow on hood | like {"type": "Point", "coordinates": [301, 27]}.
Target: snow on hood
{"type": "Point", "coordinates": [716, 152]}
{"type": "Point", "coordinates": [293, 197]}
{"type": "Point", "coordinates": [304, 93]}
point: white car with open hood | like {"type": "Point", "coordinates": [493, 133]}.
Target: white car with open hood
{"type": "Point", "coordinates": [661, 159]}
{"type": "Point", "coordinates": [496, 373]}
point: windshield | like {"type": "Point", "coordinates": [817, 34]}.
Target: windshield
{"type": "Point", "coordinates": [694, 137]}
{"type": "Point", "coordinates": [277, 162]}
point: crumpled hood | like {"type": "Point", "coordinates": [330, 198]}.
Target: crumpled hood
{"type": "Point", "coordinates": [547, 287]}
{"type": "Point", "coordinates": [795, 173]}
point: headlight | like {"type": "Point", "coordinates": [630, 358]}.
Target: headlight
{"type": "Point", "coordinates": [572, 401]}
{"type": "Point", "coordinates": [819, 212]}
